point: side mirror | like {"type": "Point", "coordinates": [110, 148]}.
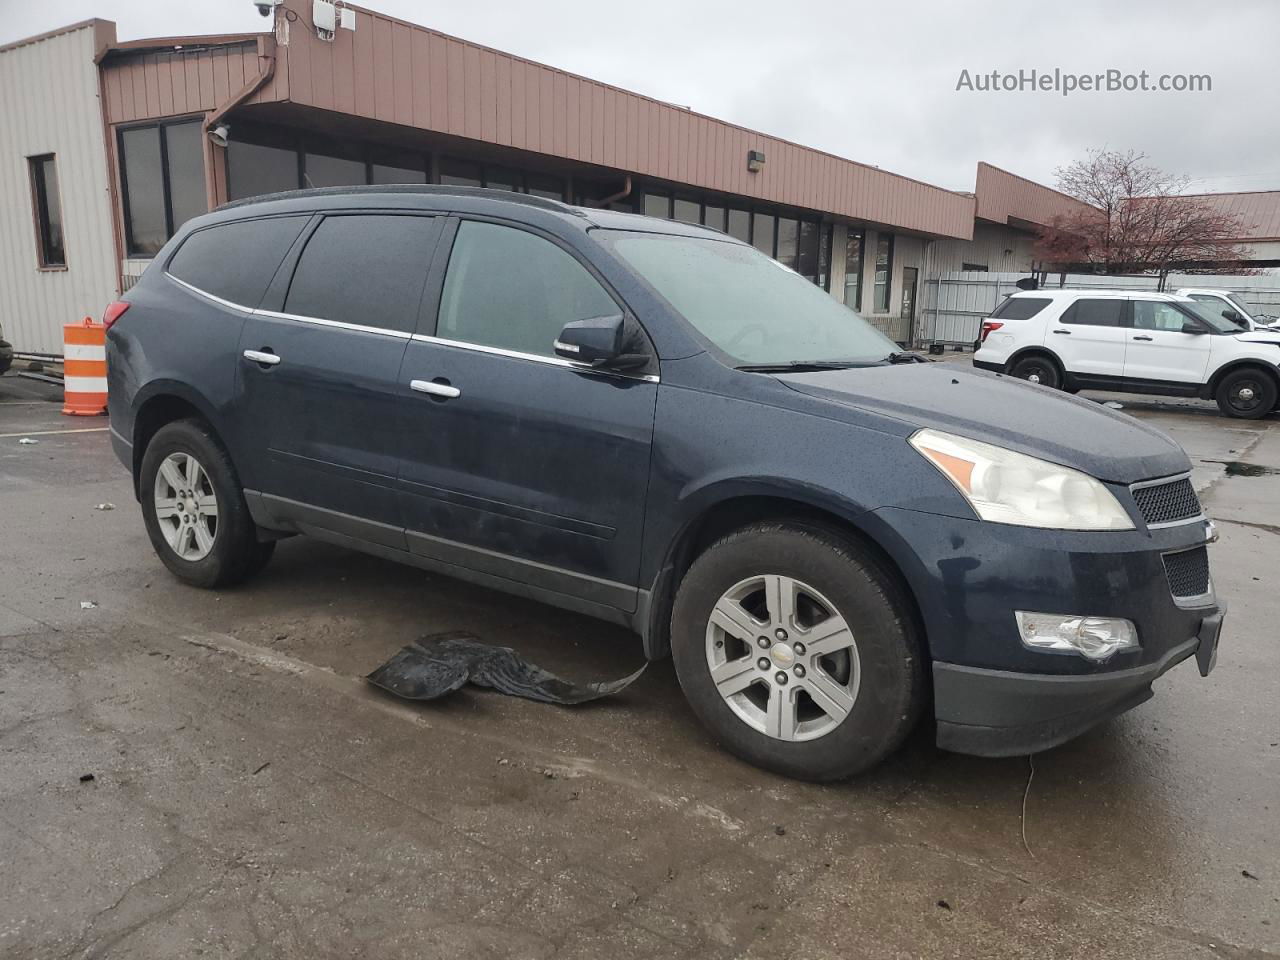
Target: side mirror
{"type": "Point", "coordinates": [599, 341]}
{"type": "Point", "coordinates": [1231, 315]}
{"type": "Point", "coordinates": [1190, 326]}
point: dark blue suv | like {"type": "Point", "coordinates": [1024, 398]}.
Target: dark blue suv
{"type": "Point", "coordinates": [657, 425]}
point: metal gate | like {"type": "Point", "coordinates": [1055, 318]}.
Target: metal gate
{"type": "Point", "coordinates": [953, 305]}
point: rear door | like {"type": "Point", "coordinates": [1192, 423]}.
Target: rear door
{"type": "Point", "coordinates": [1158, 348]}
{"type": "Point", "coordinates": [319, 397]}
{"type": "Point", "coordinates": [1089, 337]}
{"type": "Point", "coordinates": [518, 463]}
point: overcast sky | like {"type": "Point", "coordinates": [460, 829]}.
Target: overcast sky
{"type": "Point", "coordinates": [872, 81]}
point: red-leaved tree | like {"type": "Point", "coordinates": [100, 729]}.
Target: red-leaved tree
{"type": "Point", "coordinates": [1138, 220]}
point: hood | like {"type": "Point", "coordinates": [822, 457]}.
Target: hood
{"type": "Point", "coordinates": [1261, 335]}
{"type": "Point", "coordinates": [1011, 413]}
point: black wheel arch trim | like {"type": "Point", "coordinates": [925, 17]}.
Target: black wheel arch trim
{"type": "Point", "coordinates": [781, 497]}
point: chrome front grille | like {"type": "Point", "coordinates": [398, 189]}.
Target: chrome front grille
{"type": "Point", "coordinates": [1188, 572]}
{"type": "Point", "coordinates": [1166, 501]}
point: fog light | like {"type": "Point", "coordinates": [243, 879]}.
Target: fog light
{"type": "Point", "coordinates": [1097, 638]}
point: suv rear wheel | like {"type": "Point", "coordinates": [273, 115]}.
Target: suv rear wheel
{"type": "Point", "coordinates": [797, 650]}
{"type": "Point", "coordinates": [194, 508]}
{"type": "Point", "coordinates": [1247, 394]}
{"type": "Point", "coordinates": [1037, 369]}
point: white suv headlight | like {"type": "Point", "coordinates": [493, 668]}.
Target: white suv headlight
{"type": "Point", "coordinates": [1007, 487]}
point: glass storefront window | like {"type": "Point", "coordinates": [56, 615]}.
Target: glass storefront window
{"type": "Point", "coordinates": [657, 205]}
{"type": "Point", "coordinates": [807, 251]}
{"type": "Point", "coordinates": [460, 173]}
{"type": "Point", "coordinates": [322, 171]}
{"type": "Point", "coordinates": [788, 242]}
{"type": "Point", "coordinates": [762, 232]}
{"type": "Point", "coordinates": [884, 271]}
{"type": "Point", "coordinates": [253, 170]}
{"type": "Point", "coordinates": [740, 225]}
{"type": "Point", "coordinates": [853, 270]}
{"type": "Point", "coordinates": [689, 211]}
{"type": "Point", "coordinates": [549, 188]}
{"type": "Point", "coordinates": [385, 173]}
{"type": "Point", "coordinates": [713, 216]}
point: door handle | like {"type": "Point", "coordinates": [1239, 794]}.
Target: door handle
{"type": "Point", "coordinates": [1067, 332]}
{"type": "Point", "coordinates": [435, 389]}
{"type": "Point", "coordinates": [1142, 338]}
{"type": "Point", "coordinates": [262, 356]}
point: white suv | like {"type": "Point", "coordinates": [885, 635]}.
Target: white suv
{"type": "Point", "coordinates": [1232, 307]}
{"type": "Point", "coordinates": [1135, 342]}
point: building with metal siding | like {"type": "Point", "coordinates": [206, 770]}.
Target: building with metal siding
{"type": "Point", "coordinates": [50, 110]}
{"type": "Point", "coordinates": [391, 101]}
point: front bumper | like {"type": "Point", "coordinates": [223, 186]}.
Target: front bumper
{"type": "Point", "coordinates": [993, 696]}
{"type": "Point", "coordinates": [997, 713]}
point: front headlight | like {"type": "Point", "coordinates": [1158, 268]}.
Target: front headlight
{"type": "Point", "coordinates": [1007, 487]}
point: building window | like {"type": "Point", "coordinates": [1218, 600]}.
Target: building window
{"type": "Point", "coordinates": [884, 270]}
{"type": "Point", "coordinates": [853, 250]}
{"type": "Point", "coordinates": [162, 174]}
{"type": "Point", "coordinates": [788, 251]}
{"type": "Point", "coordinates": [689, 211]}
{"type": "Point", "coordinates": [974, 267]}
{"type": "Point", "coordinates": [762, 232]}
{"type": "Point", "coordinates": [657, 205]}
{"type": "Point", "coordinates": [50, 247]}
{"type": "Point", "coordinates": [253, 170]}
{"type": "Point", "coordinates": [740, 225]}
{"type": "Point", "coordinates": [713, 216]}
{"type": "Point", "coordinates": [323, 171]}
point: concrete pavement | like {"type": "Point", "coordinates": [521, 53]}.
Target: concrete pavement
{"type": "Point", "coordinates": [251, 796]}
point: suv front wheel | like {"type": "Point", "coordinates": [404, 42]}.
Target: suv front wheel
{"type": "Point", "coordinates": [1246, 394]}
{"type": "Point", "coordinates": [797, 650]}
{"type": "Point", "coordinates": [194, 508]}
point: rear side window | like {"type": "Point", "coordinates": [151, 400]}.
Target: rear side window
{"type": "Point", "coordinates": [1020, 308]}
{"type": "Point", "coordinates": [510, 289]}
{"type": "Point", "coordinates": [236, 261]}
{"type": "Point", "coordinates": [364, 269]}
{"type": "Point", "coordinates": [1095, 312]}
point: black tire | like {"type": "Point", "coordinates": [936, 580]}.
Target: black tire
{"type": "Point", "coordinates": [891, 690]}
{"type": "Point", "coordinates": [1247, 394]}
{"type": "Point", "coordinates": [236, 553]}
{"type": "Point", "coordinates": [1038, 369]}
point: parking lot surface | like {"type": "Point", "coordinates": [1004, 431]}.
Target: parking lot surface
{"type": "Point", "coordinates": [251, 795]}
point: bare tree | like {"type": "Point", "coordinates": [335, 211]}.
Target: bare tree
{"type": "Point", "coordinates": [1137, 219]}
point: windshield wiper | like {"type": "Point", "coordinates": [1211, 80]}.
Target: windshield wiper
{"type": "Point", "coordinates": [795, 366]}
{"type": "Point", "coordinates": [903, 356]}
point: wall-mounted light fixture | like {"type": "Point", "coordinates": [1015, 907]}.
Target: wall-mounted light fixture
{"type": "Point", "coordinates": [218, 134]}
{"type": "Point", "coordinates": [755, 160]}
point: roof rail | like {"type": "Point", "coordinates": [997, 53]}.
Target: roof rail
{"type": "Point", "coordinates": [420, 189]}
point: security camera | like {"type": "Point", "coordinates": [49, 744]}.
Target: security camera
{"type": "Point", "coordinates": [265, 7]}
{"type": "Point", "coordinates": [218, 134]}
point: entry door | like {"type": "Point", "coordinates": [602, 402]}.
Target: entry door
{"type": "Point", "coordinates": [1159, 350]}
{"type": "Point", "coordinates": [1090, 337]}
{"type": "Point", "coordinates": [517, 463]}
{"type": "Point", "coordinates": [319, 395]}
{"type": "Point", "coordinates": [908, 313]}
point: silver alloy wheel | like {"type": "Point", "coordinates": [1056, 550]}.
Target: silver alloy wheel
{"type": "Point", "coordinates": [782, 657]}
{"type": "Point", "coordinates": [186, 506]}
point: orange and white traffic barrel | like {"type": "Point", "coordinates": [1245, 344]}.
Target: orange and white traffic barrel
{"type": "Point", "coordinates": [84, 369]}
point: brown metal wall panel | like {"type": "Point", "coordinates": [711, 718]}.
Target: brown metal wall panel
{"type": "Point", "coordinates": [488, 97]}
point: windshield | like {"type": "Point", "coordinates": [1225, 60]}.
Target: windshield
{"type": "Point", "coordinates": [747, 304]}
{"type": "Point", "coordinates": [1239, 305]}
{"type": "Point", "coordinates": [1211, 315]}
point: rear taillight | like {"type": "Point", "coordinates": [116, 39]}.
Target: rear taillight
{"type": "Point", "coordinates": [987, 327]}
{"type": "Point", "coordinates": [115, 310]}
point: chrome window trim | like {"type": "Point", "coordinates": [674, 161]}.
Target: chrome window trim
{"type": "Point", "coordinates": [535, 357]}
{"type": "Point", "coordinates": [339, 324]}
{"type": "Point", "coordinates": [278, 315]}
{"type": "Point", "coordinates": [207, 295]}
{"type": "Point", "coordinates": [419, 337]}
{"type": "Point", "coordinates": [1160, 481]}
